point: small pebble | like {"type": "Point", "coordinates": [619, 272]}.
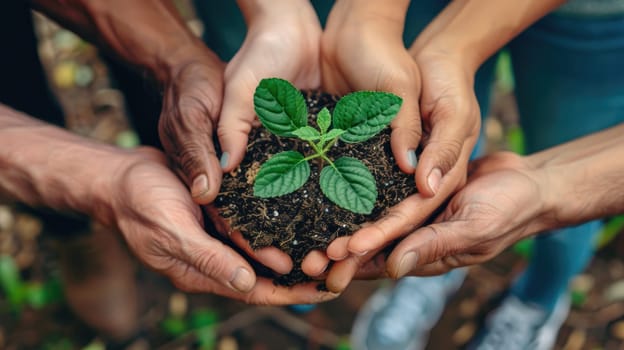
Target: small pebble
{"type": "Point", "coordinates": [228, 343]}
{"type": "Point", "coordinates": [178, 304]}
{"type": "Point", "coordinates": [84, 76]}
{"type": "Point", "coordinates": [576, 340]}
{"type": "Point", "coordinates": [614, 292]}
{"type": "Point", "coordinates": [64, 74]}
{"type": "Point", "coordinates": [618, 330]}
{"type": "Point", "coordinates": [6, 218]}
{"type": "Point", "coordinates": [464, 333]}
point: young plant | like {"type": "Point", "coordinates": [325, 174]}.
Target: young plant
{"type": "Point", "coordinates": [357, 117]}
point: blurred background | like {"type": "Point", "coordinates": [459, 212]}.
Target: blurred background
{"type": "Point", "coordinates": [34, 315]}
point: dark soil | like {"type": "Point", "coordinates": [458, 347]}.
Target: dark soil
{"type": "Point", "coordinates": [305, 220]}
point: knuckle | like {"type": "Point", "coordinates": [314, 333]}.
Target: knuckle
{"type": "Point", "coordinates": [208, 262]}
{"type": "Point", "coordinates": [447, 152]}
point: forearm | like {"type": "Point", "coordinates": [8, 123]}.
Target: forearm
{"type": "Point", "coordinates": [584, 179]}
{"type": "Point", "coordinates": [148, 34]}
{"type": "Point", "coordinates": [43, 165]}
{"type": "Point", "coordinates": [476, 29]}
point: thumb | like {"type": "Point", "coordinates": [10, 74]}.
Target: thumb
{"type": "Point", "coordinates": [447, 144]}
{"type": "Point", "coordinates": [424, 246]}
{"type": "Point", "coordinates": [407, 125]}
{"type": "Point", "coordinates": [406, 132]}
{"type": "Point", "coordinates": [219, 262]}
{"type": "Point", "coordinates": [235, 123]}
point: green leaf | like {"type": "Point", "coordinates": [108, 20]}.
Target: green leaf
{"type": "Point", "coordinates": [323, 119]}
{"type": "Point", "coordinates": [203, 318]}
{"type": "Point", "coordinates": [174, 326]}
{"type": "Point", "coordinates": [363, 114]}
{"type": "Point", "coordinates": [206, 337]}
{"type": "Point", "coordinates": [350, 185]}
{"type": "Point", "coordinates": [332, 134]}
{"type": "Point", "coordinates": [11, 281]}
{"type": "Point", "coordinates": [282, 174]}
{"type": "Point", "coordinates": [307, 133]}
{"type": "Point", "coordinates": [280, 107]}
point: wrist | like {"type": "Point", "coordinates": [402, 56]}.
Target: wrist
{"type": "Point", "coordinates": [547, 216]}
{"type": "Point", "coordinates": [450, 47]}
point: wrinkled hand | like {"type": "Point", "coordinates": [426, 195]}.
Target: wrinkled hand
{"type": "Point", "coordinates": [282, 41]}
{"type": "Point", "coordinates": [501, 204]}
{"type": "Point", "coordinates": [191, 104]}
{"type": "Point", "coordinates": [163, 226]}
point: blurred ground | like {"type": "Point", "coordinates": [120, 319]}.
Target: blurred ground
{"type": "Point", "coordinates": [34, 316]}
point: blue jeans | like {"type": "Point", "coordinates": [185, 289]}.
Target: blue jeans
{"type": "Point", "coordinates": [569, 76]}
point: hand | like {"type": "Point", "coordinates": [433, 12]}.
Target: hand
{"type": "Point", "coordinates": [282, 41]}
{"type": "Point", "coordinates": [164, 228]}
{"type": "Point", "coordinates": [192, 99]}
{"type": "Point", "coordinates": [502, 203]}
{"type": "Point", "coordinates": [362, 49]}
{"type": "Point", "coordinates": [450, 120]}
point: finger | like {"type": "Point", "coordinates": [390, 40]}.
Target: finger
{"type": "Point", "coordinates": [438, 246]}
{"type": "Point", "coordinates": [449, 142]}
{"type": "Point", "coordinates": [193, 154]}
{"type": "Point", "coordinates": [265, 292]}
{"type": "Point", "coordinates": [373, 269]}
{"type": "Point", "coordinates": [400, 220]}
{"type": "Point", "coordinates": [343, 272]}
{"type": "Point", "coordinates": [315, 263]}
{"type": "Point", "coordinates": [338, 249]}
{"type": "Point", "coordinates": [214, 259]}
{"type": "Point", "coordinates": [270, 257]}
{"type": "Point", "coordinates": [407, 129]}
{"type": "Point", "coordinates": [235, 123]}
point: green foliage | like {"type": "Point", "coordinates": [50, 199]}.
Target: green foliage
{"type": "Point", "coordinates": [357, 117]}
{"type": "Point", "coordinates": [201, 323]}
{"type": "Point", "coordinates": [21, 293]}
{"type": "Point", "coordinates": [515, 140]}
{"type": "Point", "coordinates": [610, 230]}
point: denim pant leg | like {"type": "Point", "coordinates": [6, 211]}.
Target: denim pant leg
{"type": "Point", "coordinates": [569, 82]}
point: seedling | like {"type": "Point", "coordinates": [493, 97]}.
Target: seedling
{"type": "Point", "coordinates": [357, 117]}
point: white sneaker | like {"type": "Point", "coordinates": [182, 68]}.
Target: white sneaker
{"type": "Point", "coordinates": [516, 325]}
{"type": "Point", "coordinates": [400, 317]}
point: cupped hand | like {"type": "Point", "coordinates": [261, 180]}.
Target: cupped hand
{"type": "Point", "coordinates": [282, 41]}
{"type": "Point", "coordinates": [451, 122]}
{"type": "Point", "coordinates": [361, 50]}
{"type": "Point", "coordinates": [192, 99]}
{"type": "Point", "coordinates": [501, 203]}
{"type": "Point", "coordinates": [445, 106]}
{"type": "Point", "coordinates": [163, 227]}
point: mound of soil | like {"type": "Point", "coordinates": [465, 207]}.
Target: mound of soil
{"type": "Point", "coordinates": [305, 220]}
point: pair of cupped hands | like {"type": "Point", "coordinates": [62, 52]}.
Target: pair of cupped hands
{"type": "Point", "coordinates": [161, 218]}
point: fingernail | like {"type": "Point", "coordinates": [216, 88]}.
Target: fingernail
{"type": "Point", "coordinates": [199, 186]}
{"type": "Point", "coordinates": [411, 158]}
{"type": "Point", "coordinates": [242, 280]}
{"type": "Point", "coordinates": [435, 176]}
{"type": "Point", "coordinates": [407, 263]}
{"type": "Point", "coordinates": [361, 253]}
{"type": "Point", "coordinates": [225, 157]}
